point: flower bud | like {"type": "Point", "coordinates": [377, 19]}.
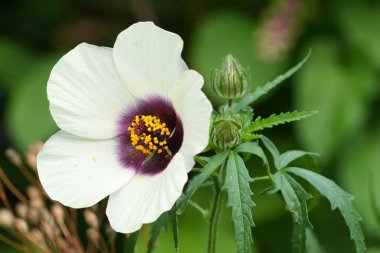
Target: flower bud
{"type": "Point", "coordinates": [14, 157]}
{"type": "Point", "coordinates": [33, 192]}
{"type": "Point", "coordinates": [6, 218]}
{"type": "Point", "coordinates": [33, 216]}
{"type": "Point", "coordinates": [20, 226]}
{"type": "Point", "coordinates": [21, 210]}
{"type": "Point", "coordinates": [226, 132]}
{"type": "Point", "coordinates": [231, 80]}
{"type": "Point", "coordinates": [90, 218]}
{"type": "Point", "coordinates": [58, 213]}
{"type": "Point", "coordinates": [92, 234]}
{"type": "Point", "coordinates": [31, 155]}
{"type": "Point", "coordinates": [37, 236]}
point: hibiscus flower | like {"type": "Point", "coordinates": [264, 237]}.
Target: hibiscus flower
{"type": "Point", "coordinates": [131, 118]}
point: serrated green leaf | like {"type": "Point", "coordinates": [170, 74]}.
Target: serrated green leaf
{"type": "Point", "coordinates": [271, 147]}
{"type": "Point", "coordinates": [302, 223]}
{"type": "Point", "coordinates": [290, 156]}
{"type": "Point", "coordinates": [239, 198]}
{"type": "Point", "coordinates": [160, 225]}
{"type": "Point", "coordinates": [252, 148]}
{"type": "Point", "coordinates": [250, 137]}
{"type": "Point", "coordinates": [296, 199]}
{"type": "Point", "coordinates": [338, 199]}
{"type": "Point", "coordinates": [199, 179]}
{"type": "Point", "coordinates": [264, 89]}
{"type": "Point", "coordinates": [274, 120]}
{"type": "Point", "coordinates": [130, 242]}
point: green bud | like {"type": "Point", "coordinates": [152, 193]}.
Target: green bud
{"type": "Point", "coordinates": [226, 132]}
{"type": "Point", "coordinates": [231, 80]}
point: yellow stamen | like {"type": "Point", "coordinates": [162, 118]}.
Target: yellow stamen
{"type": "Point", "coordinates": [144, 142]}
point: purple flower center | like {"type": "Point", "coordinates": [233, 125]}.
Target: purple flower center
{"type": "Point", "coordinates": [150, 134]}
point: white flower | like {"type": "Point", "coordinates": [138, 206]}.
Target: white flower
{"type": "Point", "coordinates": [131, 120]}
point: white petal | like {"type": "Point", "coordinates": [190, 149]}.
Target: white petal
{"type": "Point", "coordinates": [145, 198]}
{"type": "Point", "coordinates": [148, 59]}
{"type": "Point", "coordinates": [86, 94]}
{"type": "Point", "coordinates": [80, 172]}
{"type": "Point", "coordinates": [194, 109]}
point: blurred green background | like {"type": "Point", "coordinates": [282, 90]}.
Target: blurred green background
{"type": "Point", "coordinates": [341, 80]}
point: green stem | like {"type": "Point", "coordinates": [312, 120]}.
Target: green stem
{"type": "Point", "coordinates": [260, 178]}
{"type": "Point", "coordinates": [269, 172]}
{"type": "Point", "coordinates": [229, 104]}
{"type": "Point", "coordinates": [213, 223]}
{"type": "Point", "coordinates": [205, 213]}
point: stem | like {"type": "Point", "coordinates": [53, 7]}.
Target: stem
{"type": "Point", "coordinates": [213, 223]}
{"type": "Point", "coordinates": [229, 103]}
{"type": "Point", "coordinates": [12, 188]}
{"type": "Point", "coordinates": [204, 212]}
{"type": "Point", "coordinates": [269, 172]}
{"type": "Point", "coordinates": [4, 197]}
{"type": "Point", "coordinates": [261, 178]}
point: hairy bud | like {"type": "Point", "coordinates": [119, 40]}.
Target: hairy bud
{"type": "Point", "coordinates": [226, 132]}
{"type": "Point", "coordinates": [231, 80]}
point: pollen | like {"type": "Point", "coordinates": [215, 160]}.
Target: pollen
{"type": "Point", "coordinates": [148, 134]}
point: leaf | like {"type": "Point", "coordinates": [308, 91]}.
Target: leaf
{"type": "Point", "coordinates": [274, 120]}
{"type": "Point", "coordinates": [296, 199]}
{"type": "Point", "coordinates": [160, 225]}
{"type": "Point", "coordinates": [264, 89]}
{"type": "Point", "coordinates": [271, 147]}
{"type": "Point", "coordinates": [130, 243]}
{"type": "Point", "coordinates": [312, 243]}
{"type": "Point", "coordinates": [252, 148]}
{"type": "Point", "coordinates": [338, 199]}
{"type": "Point", "coordinates": [199, 179]}
{"type": "Point", "coordinates": [239, 198]}
{"type": "Point", "coordinates": [291, 155]}
{"type": "Point", "coordinates": [174, 220]}
{"type": "Point", "coordinates": [302, 223]}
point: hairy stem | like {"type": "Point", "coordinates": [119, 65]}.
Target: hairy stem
{"type": "Point", "coordinates": [213, 222]}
